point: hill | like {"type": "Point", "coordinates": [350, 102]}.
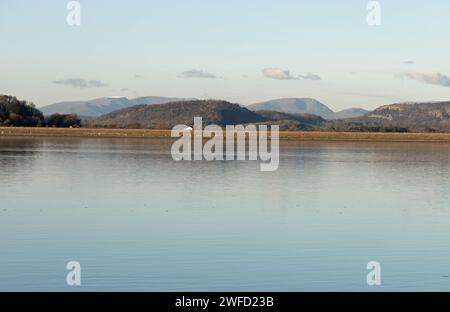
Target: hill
{"type": "Point", "coordinates": [101, 106]}
{"type": "Point", "coordinates": [168, 115]}
{"type": "Point", "coordinates": [293, 106]}
{"type": "Point", "coordinates": [401, 117]}
{"type": "Point", "coordinates": [165, 116]}
{"type": "Point", "coordinates": [306, 105]}
{"type": "Point", "coordinates": [14, 112]}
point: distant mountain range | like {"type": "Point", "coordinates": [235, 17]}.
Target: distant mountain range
{"type": "Point", "coordinates": [306, 105]}
{"type": "Point", "coordinates": [166, 116]}
{"type": "Point", "coordinates": [101, 106]}
{"type": "Point", "coordinates": [399, 117]}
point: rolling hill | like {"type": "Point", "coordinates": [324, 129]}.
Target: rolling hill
{"type": "Point", "coordinates": [166, 116]}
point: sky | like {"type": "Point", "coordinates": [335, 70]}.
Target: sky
{"type": "Point", "coordinates": [240, 51]}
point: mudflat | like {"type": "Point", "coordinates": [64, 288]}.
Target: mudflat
{"type": "Point", "coordinates": [284, 135]}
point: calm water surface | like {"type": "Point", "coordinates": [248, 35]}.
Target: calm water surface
{"type": "Point", "coordinates": [137, 220]}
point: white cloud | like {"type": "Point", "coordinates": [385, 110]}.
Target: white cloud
{"type": "Point", "coordinates": [278, 73]}
{"type": "Point", "coordinates": [196, 73]}
{"type": "Point", "coordinates": [429, 78]}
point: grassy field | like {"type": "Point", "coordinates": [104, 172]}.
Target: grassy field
{"type": "Point", "coordinates": [284, 135]}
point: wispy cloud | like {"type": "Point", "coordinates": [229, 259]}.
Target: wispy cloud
{"type": "Point", "coordinates": [429, 78]}
{"type": "Point", "coordinates": [137, 76]}
{"type": "Point", "coordinates": [409, 62]}
{"type": "Point", "coordinates": [285, 74]}
{"type": "Point", "coordinates": [310, 76]}
{"type": "Point", "coordinates": [80, 83]}
{"type": "Point", "coordinates": [197, 73]}
{"type": "Point", "coordinates": [278, 74]}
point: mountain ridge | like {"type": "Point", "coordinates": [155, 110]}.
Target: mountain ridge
{"type": "Point", "coordinates": [104, 105]}
{"type": "Point", "coordinates": [306, 105]}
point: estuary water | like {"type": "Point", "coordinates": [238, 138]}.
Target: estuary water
{"type": "Point", "coordinates": [137, 220]}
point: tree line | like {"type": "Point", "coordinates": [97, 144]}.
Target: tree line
{"type": "Point", "coordinates": [17, 113]}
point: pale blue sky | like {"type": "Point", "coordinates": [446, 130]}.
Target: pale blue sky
{"type": "Point", "coordinates": [359, 65]}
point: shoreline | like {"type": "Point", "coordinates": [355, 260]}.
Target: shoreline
{"type": "Point", "coordinates": [165, 134]}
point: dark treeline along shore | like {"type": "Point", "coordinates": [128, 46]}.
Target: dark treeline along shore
{"type": "Point", "coordinates": [16, 113]}
{"type": "Point", "coordinates": [430, 117]}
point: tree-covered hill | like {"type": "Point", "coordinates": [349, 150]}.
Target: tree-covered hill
{"type": "Point", "coordinates": [14, 112]}
{"type": "Point", "coordinates": [401, 117]}
{"type": "Point", "coordinates": [166, 116]}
